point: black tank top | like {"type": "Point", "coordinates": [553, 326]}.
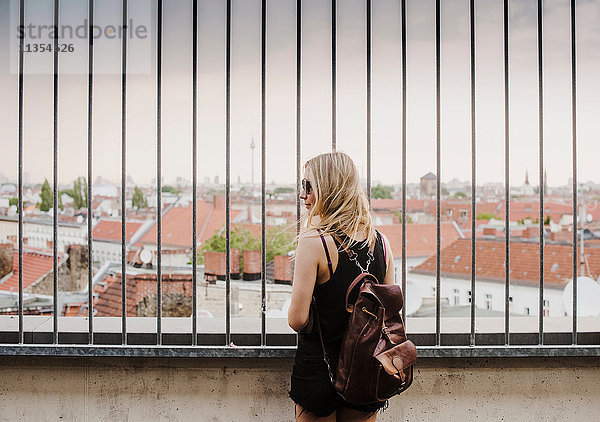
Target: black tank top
{"type": "Point", "coordinates": [330, 296]}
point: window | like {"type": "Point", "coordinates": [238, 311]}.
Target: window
{"type": "Point", "coordinates": [488, 301]}
{"type": "Point", "coordinates": [546, 308]}
{"type": "Point", "coordinates": [456, 294]}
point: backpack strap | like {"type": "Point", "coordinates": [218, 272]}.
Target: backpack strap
{"type": "Point", "coordinates": [326, 253]}
{"type": "Point", "coordinates": [384, 249]}
{"type": "Point", "coordinates": [325, 355]}
{"type": "Point", "coordinates": [357, 281]}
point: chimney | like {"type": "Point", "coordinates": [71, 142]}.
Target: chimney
{"type": "Point", "coordinates": [6, 259]}
{"type": "Point", "coordinates": [531, 233]}
{"type": "Point", "coordinates": [214, 266]}
{"type": "Point", "coordinates": [219, 202]}
{"type": "Point", "coordinates": [282, 271]}
{"type": "Point", "coordinates": [252, 265]}
{"type": "Point", "coordinates": [489, 231]}
{"type": "Point", "coordinates": [235, 264]}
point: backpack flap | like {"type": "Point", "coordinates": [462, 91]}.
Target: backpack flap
{"type": "Point", "coordinates": [398, 358]}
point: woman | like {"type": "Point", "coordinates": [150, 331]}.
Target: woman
{"type": "Point", "coordinates": [338, 220]}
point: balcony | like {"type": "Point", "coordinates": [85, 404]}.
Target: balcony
{"type": "Point", "coordinates": [157, 286]}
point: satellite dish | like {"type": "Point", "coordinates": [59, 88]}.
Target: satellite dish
{"type": "Point", "coordinates": [80, 219]}
{"type": "Point", "coordinates": [146, 256]}
{"type": "Point", "coordinates": [588, 297]}
{"type": "Point", "coordinates": [413, 297]}
{"type": "Point", "coordinates": [589, 218]}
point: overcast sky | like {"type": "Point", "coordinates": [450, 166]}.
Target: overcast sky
{"type": "Point", "coordinates": [316, 89]}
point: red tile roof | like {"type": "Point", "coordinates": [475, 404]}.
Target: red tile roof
{"type": "Point", "coordinates": [110, 230]}
{"type": "Point", "coordinates": [177, 225]}
{"type": "Point", "coordinates": [524, 261]}
{"type": "Point", "coordinates": [107, 293]}
{"type": "Point", "coordinates": [420, 238]}
{"type": "Point", "coordinates": [36, 264]}
{"type": "Point", "coordinates": [107, 298]}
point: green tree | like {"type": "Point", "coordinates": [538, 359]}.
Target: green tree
{"type": "Point", "coordinates": [278, 242]}
{"type": "Point", "coordinates": [46, 197]}
{"type": "Point", "coordinates": [381, 192]}
{"type": "Point", "coordinates": [79, 193]}
{"type": "Point", "coordinates": [13, 201]}
{"type": "Point", "coordinates": [240, 238]}
{"type": "Point", "coordinates": [139, 200]}
{"type": "Point", "coordinates": [460, 195]}
{"type": "Point", "coordinates": [547, 221]}
{"type": "Point", "coordinates": [398, 214]}
{"type": "Point", "coordinates": [170, 189]}
{"type": "Point", "coordinates": [485, 216]}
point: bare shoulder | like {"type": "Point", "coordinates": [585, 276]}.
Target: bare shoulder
{"type": "Point", "coordinates": [309, 242]}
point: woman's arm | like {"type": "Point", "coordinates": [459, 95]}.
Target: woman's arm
{"type": "Point", "coordinates": [305, 276]}
{"type": "Point", "coordinates": [390, 275]}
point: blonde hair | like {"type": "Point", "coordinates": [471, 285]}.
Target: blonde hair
{"type": "Point", "coordinates": [340, 202]}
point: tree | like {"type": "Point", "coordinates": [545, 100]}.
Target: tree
{"type": "Point", "coordinates": [79, 193]}
{"type": "Point", "coordinates": [460, 195]}
{"type": "Point", "coordinates": [240, 238]}
{"type": "Point", "coordinates": [139, 200]}
{"type": "Point", "coordinates": [170, 189]}
{"type": "Point", "coordinates": [46, 196]}
{"type": "Point", "coordinates": [13, 201]}
{"type": "Point", "coordinates": [485, 216]}
{"type": "Point", "coordinates": [381, 192]}
{"type": "Point", "coordinates": [398, 214]}
{"type": "Point", "coordinates": [278, 242]}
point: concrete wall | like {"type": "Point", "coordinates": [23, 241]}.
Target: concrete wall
{"type": "Point", "coordinates": [116, 389]}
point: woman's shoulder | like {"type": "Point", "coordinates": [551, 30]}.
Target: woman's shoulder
{"type": "Point", "coordinates": [309, 238]}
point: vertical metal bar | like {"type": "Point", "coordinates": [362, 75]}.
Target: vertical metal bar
{"type": "Point", "coordinates": [298, 110]}
{"type": "Point", "coordinates": [194, 169]}
{"type": "Point", "coordinates": [55, 175]}
{"type": "Point", "coordinates": [21, 64]}
{"type": "Point", "coordinates": [333, 74]}
{"type": "Point", "coordinates": [506, 181]}
{"type": "Point", "coordinates": [228, 177]}
{"type": "Point", "coordinates": [159, 174]}
{"type": "Point", "coordinates": [298, 106]}
{"type": "Point", "coordinates": [89, 175]}
{"type": "Point", "coordinates": [369, 100]}
{"type": "Point", "coordinates": [473, 167]}
{"type": "Point", "coordinates": [574, 128]}
{"type": "Point", "coordinates": [263, 160]}
{"type": "Point", "coordinates": [123, 178]}
{"type": "Point", "coordinates": [403, 18]}
{"type": "Point", "coordinates": [541, 167]}
{"type": "Point", "coordinates": [438, 170]}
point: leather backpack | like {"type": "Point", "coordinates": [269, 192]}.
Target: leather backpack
{"type": "Point", "coordinates": [376, 359]}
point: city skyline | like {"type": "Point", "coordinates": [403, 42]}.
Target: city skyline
{"type": "Point", "coordinates": [316, 118]}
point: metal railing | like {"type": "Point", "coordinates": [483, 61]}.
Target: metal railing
{"type": "Point", "coordinates": [21, 347]}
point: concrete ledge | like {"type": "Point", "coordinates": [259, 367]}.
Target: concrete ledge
{"type": "Point", "coordinates": [247, 389]}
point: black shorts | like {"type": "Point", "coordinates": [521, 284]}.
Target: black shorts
{"type": "Point", "coordinates": [311, 387]}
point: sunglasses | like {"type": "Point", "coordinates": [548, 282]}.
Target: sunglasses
{"type": "Point", "coordinates": [306, 186]}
